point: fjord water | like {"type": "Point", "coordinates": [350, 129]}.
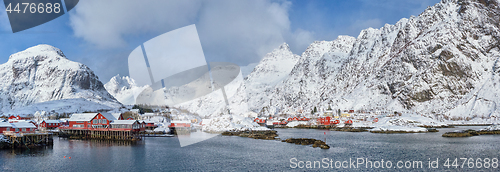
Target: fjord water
{"type": "Point", "coordinates": [224, 153]}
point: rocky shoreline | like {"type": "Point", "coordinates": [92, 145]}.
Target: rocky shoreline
{"type": "Point", "coordinates": [397, 132]}
{"type": "Point", "coordinates": [470, 133]}
{"type": "Point", "coordinates": [351, 129]}
{"type": "Point", "coordinates": [264, 135]}
{"type": "Point", "coordinates": [305, 141]}
{"type": "Point", "coordinates": [272, 134]}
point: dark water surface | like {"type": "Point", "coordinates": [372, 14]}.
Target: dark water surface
{"type": "Point", "coordinates": [224, 153]}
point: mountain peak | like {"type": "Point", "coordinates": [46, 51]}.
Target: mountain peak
{"type": "Point", "coordinates": [42, 73]}
{"type": "Point", "coordinates": [39, 50]}
{"type": "Point", "coordinates": [284, 46]}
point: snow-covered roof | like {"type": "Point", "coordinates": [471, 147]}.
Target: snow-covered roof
{"type": "Point", "coordinates": [116, 115]}
{"type": "Point", "coordinates": [5, 124]}
{"type": "Point", "coordinates": [82, 116]}
{"type": "Point", "coordinates": [52, 121]}
{"type": "Point", "coordinates": [177, 122]}
{"type": "Point", "coordinates": [109, 116]}
{"type": "Point", "coordinates": [123, 122]}
{"type": "Point", "coordinates": [18, 120]}
{"type": "Point", "coordinates": [23, 125]}
{"type": "Point", "coordinates": [134, 110]}
{"type": "Point", "coordinates": [148, 114]}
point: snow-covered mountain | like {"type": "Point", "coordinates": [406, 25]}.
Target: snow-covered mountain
{"type": "Point", "coordinates": [442, 62]}
{"type": "Point", "coordinates": [250, 93]}
{"type": "Point", "coordinates": [41, 74]}
{"type": "Point", "coordinates": [123, 89]}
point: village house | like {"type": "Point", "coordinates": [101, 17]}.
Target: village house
{"type": "Point", "coordinates": [5, 126]}
{"type": "Point", "coordinates": [90, 120]}
{"type": "Point", "coordinates": [12, 117]}
{"type": "Point", "coordinates": [117, 116]}
{"type": "Point", "coordinates": [23, 127]}
{"type": "Point", "coordinates": [178, 124]}
{"type": "Point", "coordinates": [133, 125]}
{"type": "Point", "coordinates": [50, 124]}
{"type": "Point", "coordinates": [102, 126]}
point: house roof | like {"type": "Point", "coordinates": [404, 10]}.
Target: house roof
{"type": "Point", "coordinates": [148, 114]}
{"type": "Point", "coordinates": [116, 115]}
{"type": "Point", "coordinates": [23, 125]}
{"type": "Point", "coordinates": [123, 122]}
{"type": "Point", "coordinates": [179, 122]}
{"type": "Point", "coordinates": [5, 124]}
{"type": "Point", "coordinates": [82, 116]}
{"type": "Point", "coordinates": [52, 121]}
{"type": "Point", "coordinates": [109, 116]}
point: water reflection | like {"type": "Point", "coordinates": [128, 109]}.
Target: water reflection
{"type": "Point", "coordinates": [101, 143]}
{"type": "Point", "coordinates": [34, 152]}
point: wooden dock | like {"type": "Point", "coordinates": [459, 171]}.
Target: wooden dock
{"type": "Point", "coordinates": [28, 140]}
{"type": "Point", "coordinates": [100, 134]}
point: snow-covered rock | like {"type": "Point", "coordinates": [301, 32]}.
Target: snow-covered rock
{"type": "Point", "coordinates": [407, 123]}
{"type": "Point", "coordinates": [124, 89]}
{"type": "Point", "coordinates": [42, 74]}
{"type": "Point", "coordinates": [492, 128]}
{"type": "Point", "coordinates": [230, 123]}
{"type": "Point", "coordinates": [296, 123]}
{"type": "Point", "coordinates": [443, 62]}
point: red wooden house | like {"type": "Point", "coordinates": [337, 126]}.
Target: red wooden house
{"type": "Point", "coordinates": [348, 122]}
{"type": "Point", "coordinates": [23, 127]}
{"type": "Point", "coordinates": [117, 116]}
{"type": "Point", "coordinates": [5, 126]}
{"type": "Point", "coordinates": [90, 120]}
{"type": "Point", "coordinates": [174, 124]}
{"type": "Point", "coordinates": [132, 125]}
{"type": "Point", "coordinates": [325, 120]}
{"type": "Point", "coordinates": [50, 124]}
{"type": "Point", "coordinates": [293, 119]}
{"type": "Point", "coordinates": [284, 122]}
{"type": "Point", "coordinates": [260, 121]}
{"type": "Point", "coordinates": [19, 117]}
{"type": "Point", "coordinates": [303, 119]}
{"type": "Point", "coordinates": [149, 125]}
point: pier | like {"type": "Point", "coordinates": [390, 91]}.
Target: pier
{"type": "Point", "coordinates": [28, 140]}
{"type": "Point", "coordinates": [100, 133]}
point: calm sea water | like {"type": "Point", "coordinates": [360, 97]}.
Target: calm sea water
{"type": "Point", "coordinates": [223, 153]}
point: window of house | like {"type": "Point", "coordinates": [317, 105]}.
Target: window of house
{"type": "Point", "coordinates": [17, 129]}
{"type": "Point", "coordinates": [8, 129]}
{"type": "Point", "coordinates": [104, 121]}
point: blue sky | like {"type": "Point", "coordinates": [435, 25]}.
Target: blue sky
{"type": "Point", "coordinates": [101, 34]}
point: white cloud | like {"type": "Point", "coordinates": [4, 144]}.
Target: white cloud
{"type": "Point", "coordinates": [233, 31]}
{"type": "Point", "coordinates": [105, 23]}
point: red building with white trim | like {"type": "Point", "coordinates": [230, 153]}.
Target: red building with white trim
{"type": "Point", "coordinates": [5, 126]}
{"type": "Point", "coordinates": [50, 124]}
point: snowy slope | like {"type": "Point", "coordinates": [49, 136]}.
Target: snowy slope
{"type": "Point", "coordinates": [123, 89]}
{"type": "Point", "coordinates": [442, 62]}
{"type": "Point", "coordinates": [250, 93]}
{"type": "Point", "coordinates": [43, 73]}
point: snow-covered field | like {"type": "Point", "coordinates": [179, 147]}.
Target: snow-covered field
{"type": "Point", "coordinates": [230, 123]}
{"type": "Point", "coordinates": [491, 128]}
